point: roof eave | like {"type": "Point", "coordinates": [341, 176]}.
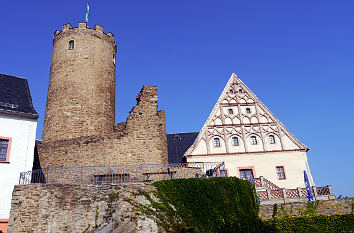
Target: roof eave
{"type": "Point", "coordinates": [22, 114]}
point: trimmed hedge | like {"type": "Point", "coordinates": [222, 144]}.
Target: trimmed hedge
{"type": "Point", "coordinates": [213, 204]}
{"type": "Point", "coordinates": [320, 223]}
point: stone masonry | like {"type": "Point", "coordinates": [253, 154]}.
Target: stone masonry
{"type": "Point", "coordinates": [81, 90]}
{"type": "Point", "coordinates": [99, 209]}
{"type": "Point", "coordinates": [325, 207]}
{"type": "Point", "coordinates": [66, 208]}
{"type": "Point", "coordinates": [139, 140]}
{"type": "Point", "coordinates": [79, 126]}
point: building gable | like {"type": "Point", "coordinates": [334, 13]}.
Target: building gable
{"type": "Point", "coordinates": [241, 123]}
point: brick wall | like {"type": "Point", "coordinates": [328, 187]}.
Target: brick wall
{"type": "Point", "coordinates": [67, 208]}
{"type": "Point", "coordinates": [139, 140]}
{"type": "Point", "coordinates": [325, 207]}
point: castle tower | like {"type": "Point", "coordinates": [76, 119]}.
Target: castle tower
{"type": "Point", "coordinates": [81, 92]}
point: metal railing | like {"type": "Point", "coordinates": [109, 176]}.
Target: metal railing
{"type": "Point", "coordinates": [116, 174]}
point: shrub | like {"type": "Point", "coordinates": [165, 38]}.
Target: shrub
{"type": "Point", "coordinates": [213, 204]}
{"type": "Point", "coordinates": [320, 223]}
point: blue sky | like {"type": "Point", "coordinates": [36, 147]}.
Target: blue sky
{"type": "Point", "coordinates": [296, 56]}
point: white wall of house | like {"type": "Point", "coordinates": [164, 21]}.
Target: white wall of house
{"type": "Point", "coordinates": [22, 132]}
{"type": "Point", "coordinates": [264, 164]}
{"type": "Point", "coordinates": [242, 132]}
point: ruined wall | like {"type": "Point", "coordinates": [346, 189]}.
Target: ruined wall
{"type": "Point", "coordinates": [139, 140]}
{"type": "Point", "coordinates": [326, 207]}
{"type": "Point", "coordinates": [81, 92]}
{"type": "Point", "coordinates": [68, 208]}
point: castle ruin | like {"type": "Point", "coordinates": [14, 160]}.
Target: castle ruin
{"type": "Point", "coordinates": [79, 126]}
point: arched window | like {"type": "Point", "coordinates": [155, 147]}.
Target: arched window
{"type": "Point", "coordinates": [248, 110]}
{"type": "Point", "coordinates": [231, 91]}
{"type": "Point", "coordinates": [71, 45]}
{"type": "Point", "coordinates": [235, 141]}
{"type": "Point", "coordinates": [271, 139]}
{"type": "Point", "coordinates": [253, 140]}
{"type": "Point", "coordinates": [240, 90]}
{"type": "Point", "coordinates": [230, 111]}
{"type": "Point", "coordinates": [216, 142]}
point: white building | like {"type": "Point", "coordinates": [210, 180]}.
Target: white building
{"type": "Point", "coordinates": [18, 123]}
{"type": "Point", "coordinates": [243, 133]}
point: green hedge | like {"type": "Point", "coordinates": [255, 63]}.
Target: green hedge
{"type": "Point", "coordinates": [224, 205]}
{"type": "Point", "coordinates": [213, 204]}
{"type": "Point", "coordinates": [320, 223]}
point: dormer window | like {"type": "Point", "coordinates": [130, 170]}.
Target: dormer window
{"type": "Point", "coordinates": [71, 45]}
{"type": "Point", "coordinates": [248, 110]}
{"type": "Point", "coordinates": [216, 142]}
{"type": "Point", "coordinates": [235, 141]}
{"type": "Point", "coordinates": [253, 140]}
{"type": "Point", "coordinates": [271, 139]}
{"type": "Point", "coordinates": [230, 111]}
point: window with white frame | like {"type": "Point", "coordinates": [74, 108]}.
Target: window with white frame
{"type": "Point", "coordinates": [216, 142]}
{"type": "Point", "coordinates": [235, 141]}
{"type": "Point", "coordinates": [3, 149]}
{"type": "Point", "coordinates": [253, 140]}
{"type": "Point", "coordinates": [271, 139]}
{"type": "Point", "coordinates": [230, 111]}
{"type": "Point", "coordinates": [280, 172]}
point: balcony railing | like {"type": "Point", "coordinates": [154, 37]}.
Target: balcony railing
{"type": "Point", "coordinates": [116, 174]}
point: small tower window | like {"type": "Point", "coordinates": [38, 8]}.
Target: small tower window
{"type": "Point", "coordinates": [114, 59]}
{"type": "Point", "coordinates": [216, 142]}
{"type": "Point", "coordinates": [271, 139]}
{"type": "Point", "coordinates": [248, 110]}
{"type": "Point", "coordinates": [253, 140]}
{"type": "Point", "coordinates": [235, 141]}
{"type": "Point", "coordinates": [230, 111]}
{"type": "Point", "coordinates": [71, 45]}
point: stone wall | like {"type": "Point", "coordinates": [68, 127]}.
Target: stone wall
{"type": "Point", "coordinates": [81, 92]}
{"type": "Point", "coordinates": [68, 208]}
{"type": "Point", "coordinates": [139, 140]}
{"type": "Point", "coordinates": [325, 207]}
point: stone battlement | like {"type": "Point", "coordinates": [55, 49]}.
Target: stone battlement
{"type": "Point", "coordinates": [98, 29]}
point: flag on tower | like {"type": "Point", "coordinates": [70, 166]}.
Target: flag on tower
{"type": "Point", "coordinates": [87, 12]}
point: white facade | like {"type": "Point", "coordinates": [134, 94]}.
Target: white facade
{"type": "Point", "coordinates": [22, 134]}
{"type": "Point", "coordinates": [243, 133]}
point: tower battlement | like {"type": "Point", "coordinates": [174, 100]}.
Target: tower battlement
{"type": "Point", "coordinates": [97, 30]}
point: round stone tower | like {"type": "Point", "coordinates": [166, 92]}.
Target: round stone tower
{"type": "Point", "coordinates": [81, 92]}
